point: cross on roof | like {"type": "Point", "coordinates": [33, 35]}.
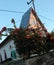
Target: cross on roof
{"type": "Point", "coordinates": [32, 1]}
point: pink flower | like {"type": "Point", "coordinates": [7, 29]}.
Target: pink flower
{"type": "Point", "coordinates": [4, 28]}
{"type": "Point", "coordinates": [28, 36]}
{"type": "Point", "coordinates": [40, 33]}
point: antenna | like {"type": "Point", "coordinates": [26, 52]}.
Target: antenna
{"type": "Point", "coordinates": [32, 4]}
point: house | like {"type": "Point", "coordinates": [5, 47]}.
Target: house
{"type": "Point", "coordinates": [8, 50]}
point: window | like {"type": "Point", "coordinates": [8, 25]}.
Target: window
{"type": "Point", "coordinates": [5, 55]}
{"type": "Point", "coordinates": [13, 53]}
{"type": "Point", "coordinates": [0, 58]}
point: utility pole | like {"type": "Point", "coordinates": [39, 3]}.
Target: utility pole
{"type": "Point", "coordinates": [32, 1]}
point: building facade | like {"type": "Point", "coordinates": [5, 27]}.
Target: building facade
{"type": "Point", "coordinates": [8, 50]}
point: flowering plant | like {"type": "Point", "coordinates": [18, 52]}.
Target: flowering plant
{"type": "Point", "coordinates": [29, 41]}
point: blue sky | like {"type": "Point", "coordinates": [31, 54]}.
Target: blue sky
{"type": "Point", "coordinates": [43, 8]}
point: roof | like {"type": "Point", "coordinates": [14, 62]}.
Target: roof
{"type": "Point", "coordinates": [25, 18]}
{"type": "Point", "coordinates": [4, 42]}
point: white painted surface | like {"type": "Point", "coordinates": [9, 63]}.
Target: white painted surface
{"type": "Point", "coordinates": [7, 49]}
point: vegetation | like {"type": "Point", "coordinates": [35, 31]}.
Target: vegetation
{"type": "Point", "coordinates": [28, 41]}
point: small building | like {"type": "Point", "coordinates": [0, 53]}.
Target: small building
{"type": "Point", "coordinates": [8, 50]}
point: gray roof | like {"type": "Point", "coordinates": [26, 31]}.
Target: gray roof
{"type": "Point", "coordinates": [25, 19]}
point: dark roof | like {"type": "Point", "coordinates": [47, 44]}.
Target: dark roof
{"type": "Point", "coordinates": [5, 41]}
{"type": "Point", "coordinates": [25, 18]}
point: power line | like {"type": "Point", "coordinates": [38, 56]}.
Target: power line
{"type": "Point", "coordinates": [11, 11]}
{"type": "Point", "coordinates": [46, 18]}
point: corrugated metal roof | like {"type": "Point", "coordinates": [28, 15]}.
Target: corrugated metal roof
{"type": "Point", "coordinates": [25, 19]}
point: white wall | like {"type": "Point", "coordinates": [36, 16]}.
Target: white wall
{"type": "Point", "coordinates": [7, 49]}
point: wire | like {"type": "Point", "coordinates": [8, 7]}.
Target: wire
{"type": "Point", "coordinates": [46, 18]}
{"type": "Point", "coordinates": [10, 11]}
{"type": "Point", "coordinates": [24, 12]}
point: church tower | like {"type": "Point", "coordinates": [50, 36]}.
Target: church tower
{"type": "Point", "coordinates": [30, 20]}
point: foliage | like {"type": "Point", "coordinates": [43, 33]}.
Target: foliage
{"type": "Point", "coordinates": [28, 41]}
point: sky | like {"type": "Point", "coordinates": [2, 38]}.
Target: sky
{"type": "Point", "coordinates": [44, 9]}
